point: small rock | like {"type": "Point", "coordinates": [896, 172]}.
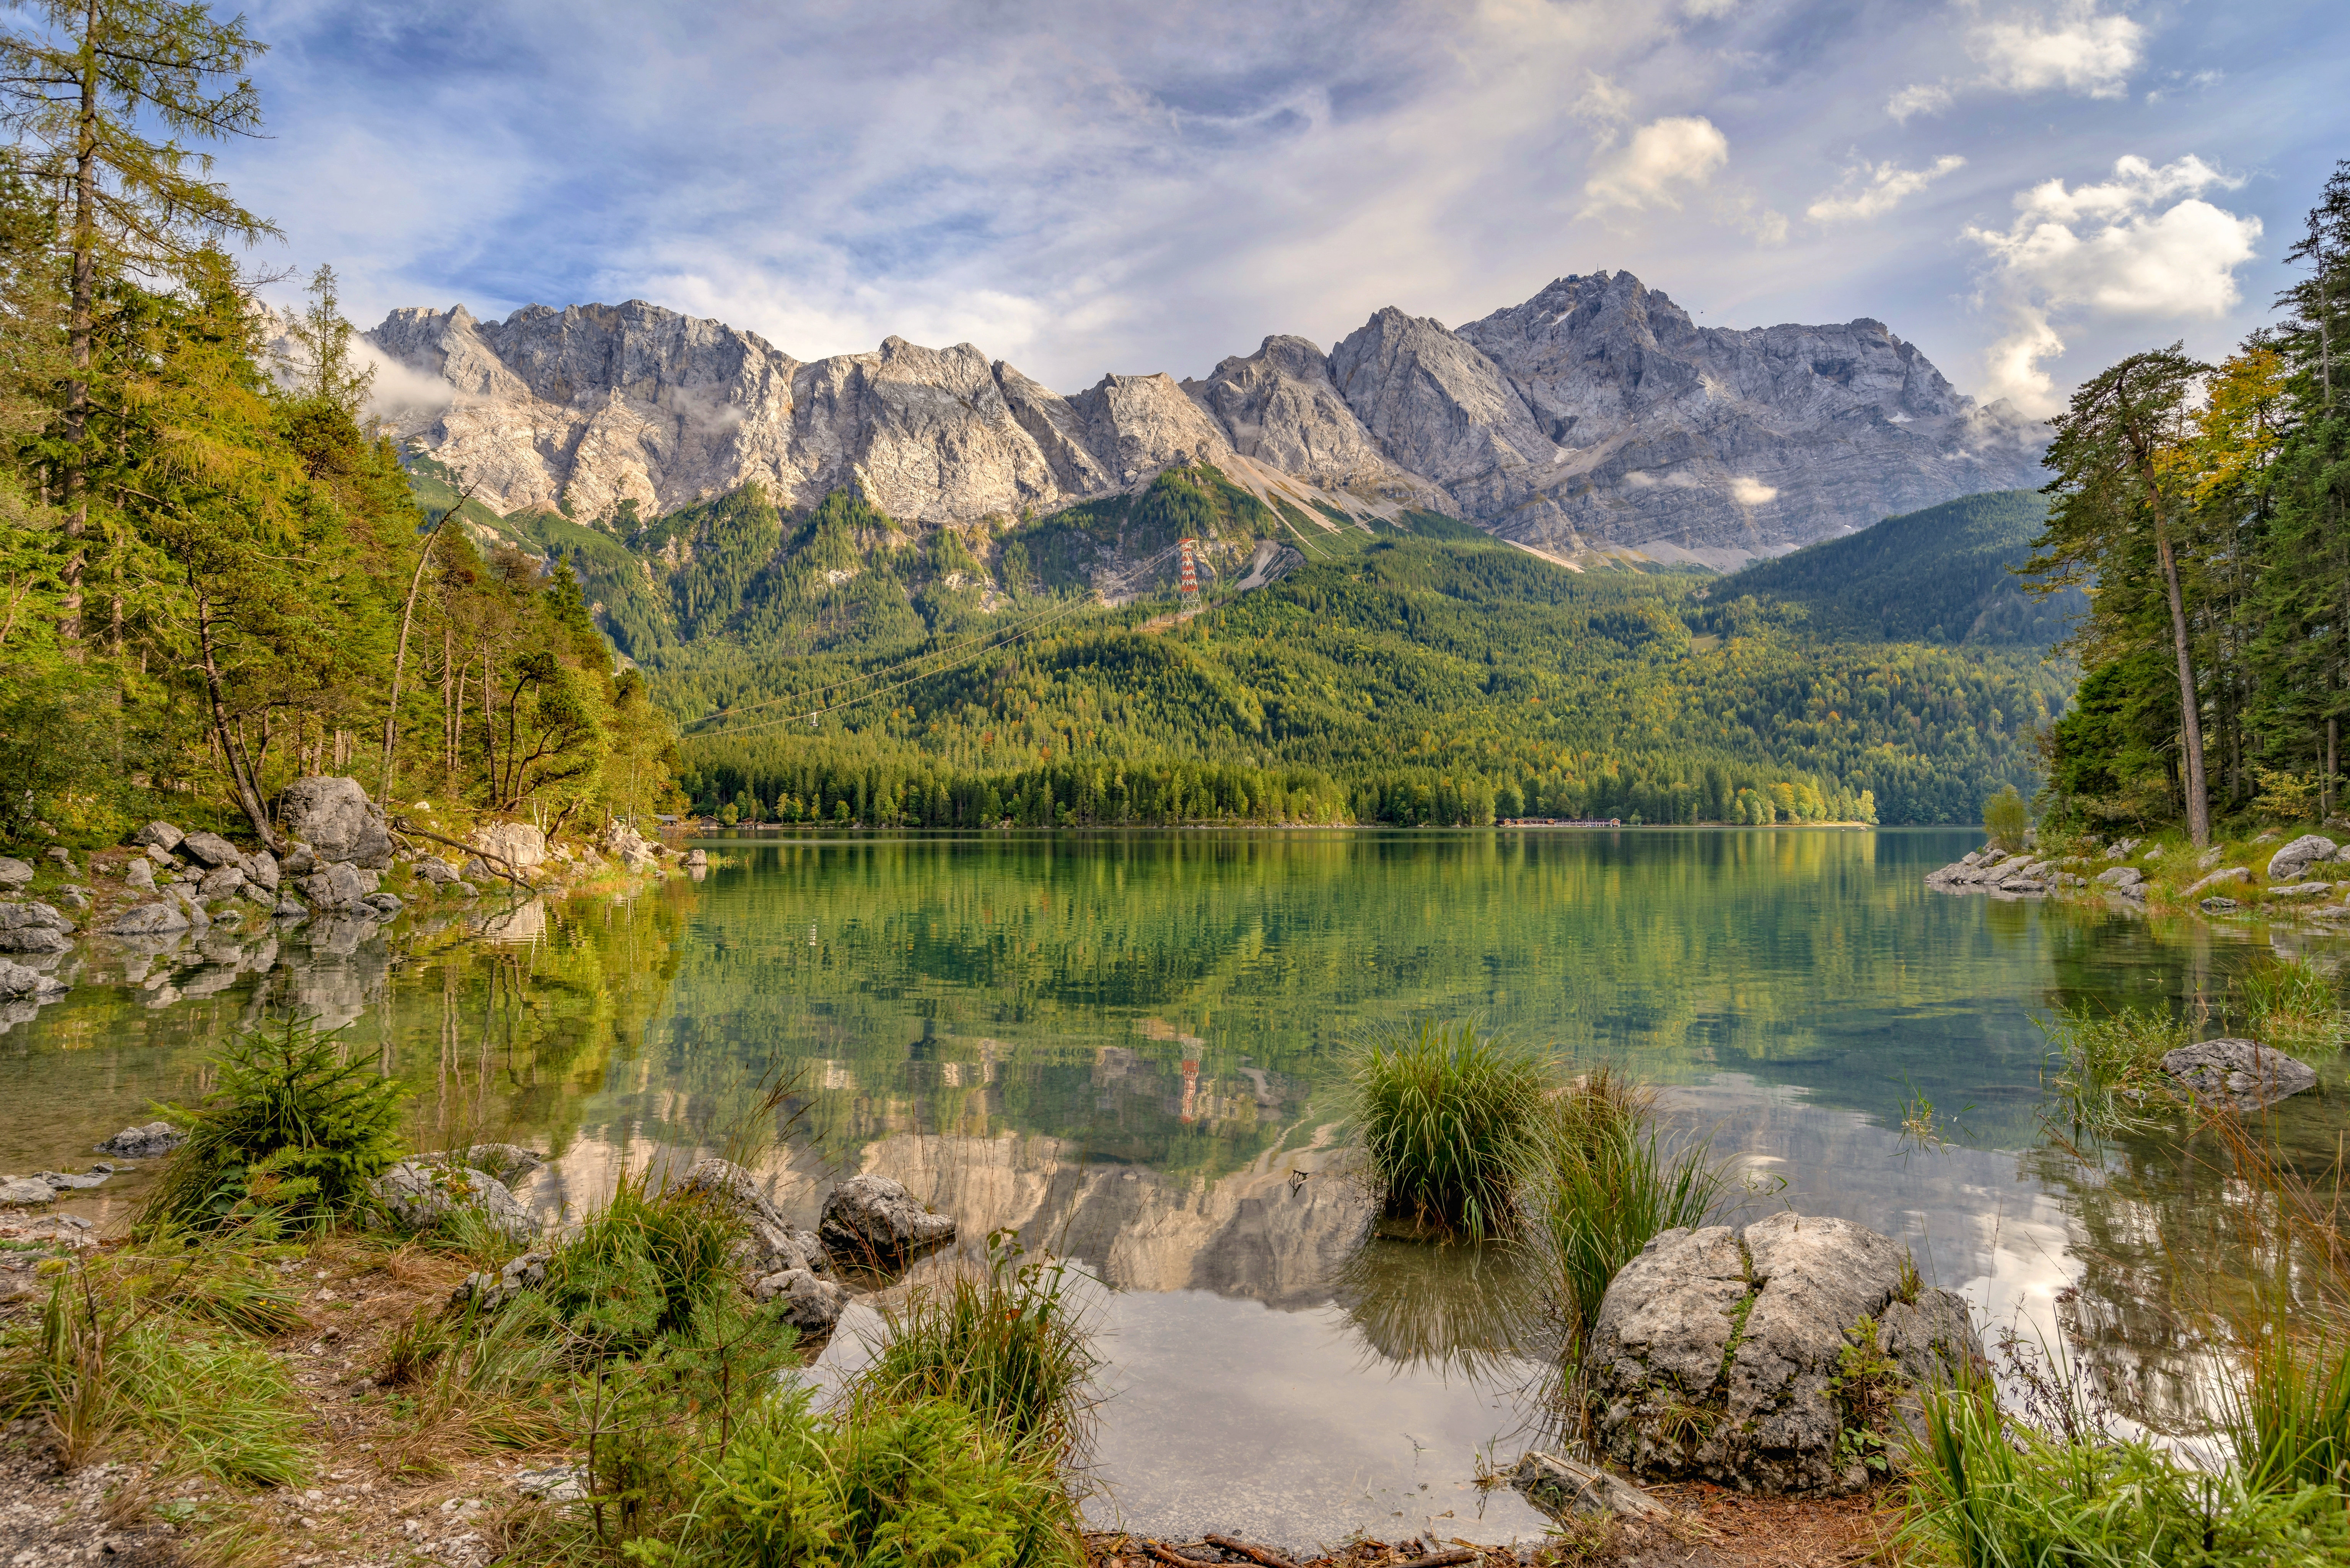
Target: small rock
{"type": "Point", "coordinates": [874, 1221]}
{"type": "Point", "coordinates": [555, 1483]}
{"type": "Point", "coordinates": [464, 890]}
{"type": "Point", "coordinates": [491, 1291]}
{"type": "Point", "coordinates": [387, 904]}
{"type": "Point", "coordinates": [62, 1182]}
{"type": "Point", "coordinates": [18, 983]}
{"type": "Point", "coordinates": [148, 1142]}
{"type": "Point", "coordinates": [138, 876]}
{"type": "Point", "coordinates": [420, 1193]}
{"type": "Point", "coordinates": [2121, 876]}
{"type": "Point", "coordinates": [2302, 890]}
{"type": "Point", "coordinates": [509, 1162]}
{"type": "Point", "coordinates": [290, 910]}
{"type": "Point", "coordinates": [149, 919]}
{"type": "Point", "coordinates": [773, 1245]}
{"type": "Point", "coordinates": [2252, 1075]}
{"type": "Point", "coordinates": [75, 898]}
{"type": "Point", "coordinates": [2217, 905]}
{"type": "Point", "coordinates": [34, 928]}
{"type": "Point", "coordinates": [209, 850]}
{"type": "Point", "coordinates": [17, 1190]}
{"type": "Point", "coordinates": [435, 870]}
{"type": "Point", "coordinates": [809, 1304]}
{"type": "Point", "coordinates": [159, 836]}
{"type": "Point", "coordinates": [225, 882]}
{"type": "Point", "coordinates": [2231, 874]}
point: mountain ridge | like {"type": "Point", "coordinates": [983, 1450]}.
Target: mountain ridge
{"type": "Point", "coordinates": [1596, 417]}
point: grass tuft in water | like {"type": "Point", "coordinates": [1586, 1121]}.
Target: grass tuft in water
{"type": "Point", "coordinates": [1452, 1123]}
{"type": "Point", "coordinates": [2107, 1075]}
{"type": "Point", "coordinates": [1003, 1342]}
{"type": "Point", "coordinates": [2292, 1005]}
{"type": "Point", "coordinates": [1609, 1183]}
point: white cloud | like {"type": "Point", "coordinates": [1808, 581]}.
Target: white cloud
{"type": "Point", "coordinates": [1748, 490]}
{"type": "Point", "coordinates": [1679, 150]}
{"type": "Point", "coordinates": [1920, 98]}
{"type": "Point", "coordinates": [1872, 190]}
{"type": "Point", "coordinates": [2076, 49]}
{"type": "Point", "coordinates": [2141, 245]}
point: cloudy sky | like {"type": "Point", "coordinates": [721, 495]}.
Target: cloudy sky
{"type": "Point", "coordinates": [2025, 187]}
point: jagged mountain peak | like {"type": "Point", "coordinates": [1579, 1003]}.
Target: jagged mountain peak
{"type": "Point", "coordinates": [1596, 415]}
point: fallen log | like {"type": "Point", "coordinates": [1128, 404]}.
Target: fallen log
{"type": "Point", "coordinates": [1253, 1554]}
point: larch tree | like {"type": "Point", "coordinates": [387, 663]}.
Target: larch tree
{"type": "Point", "coordinates": [80, 86]}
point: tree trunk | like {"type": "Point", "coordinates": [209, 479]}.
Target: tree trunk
{"type": "Point", "coordinates": [400, 659]}
{"type": "Point", "coordinates": [248, 791]}
{"type": "Point", "coordinates": [2190, 722]}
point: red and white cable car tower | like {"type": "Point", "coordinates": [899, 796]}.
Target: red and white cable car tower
{"type": "Point", "coordinates": [1191, 574]}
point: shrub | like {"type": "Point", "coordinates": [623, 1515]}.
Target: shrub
{"type": "Point", "coordinates": [643, 1266]}
{"type": "Point", "coordinates": [2007, 819]}
{"type": "Point", "coordinates": [293, 1129]}
{"type": "Point", "coordinates": [1609, 1185]}
{"type": "Point", "coordinates": [912, 1486]}
{"type": "Point", "coordinates": [1006, 1344]}
{"type": "Point", "coordinates": [1452, 1122]}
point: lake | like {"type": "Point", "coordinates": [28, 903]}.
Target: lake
{"type": "Point", "coordinates": [1127, 1048]}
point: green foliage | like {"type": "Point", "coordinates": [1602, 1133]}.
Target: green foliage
{"type": "Point", "coordinates": [1608, 1185]}
{"type": "Point", "coordinates": [2290, 1422]}
{"type": "Point", "coordinates": [1452, 1122]}
{"type": "Point", "coordinates": [1991, 1493]}
{"type": "Point", "coordinates": [2292, 1004]}
{"type": "Point", "coordinates": [1003, 1345]}
{"type": "Point", "coordinates": [2007, 819]}
{"type": "Point", "coordinates": [1945, 574]}
{"type": "Point", "coordinates": [925, 1485]}
{"type": "Point", "coordinates": [2109, 1080]}
{"type": "Point", "coordinates": [641, 1267]}
{"type": "Point", "coordinates": [295, 1126]}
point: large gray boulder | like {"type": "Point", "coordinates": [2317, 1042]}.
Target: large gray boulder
{"type": "Point", "coordinates": [33, 928]}
{"type": "Point", "coordinates": [338, 886]}
{"type": "Point", "coordinates": [874, 1222]}
{"type": "Point", "coordinates": [419, 1194]}
{"type": "Point", "coordinates": [2287, 863]}
{"type": "Point", "coordinates": [2244, 1072]}
{"type": "Point", "coordinates": [1724, 1355]}
{"type": "Point", "coordinates": [153, 920]}
{"type": "Point", "coordinates": [773, 1244]}
{"type": "Point", "coordinates": [209, 851]}
{"type": "Point", "coordinates": [338, 821]}
{"type": "Point", "coordinates": [518, 844]}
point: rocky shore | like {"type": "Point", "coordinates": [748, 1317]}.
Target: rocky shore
{"type": "Point", "coordinates": [346, 868]}
{"type": "Point", "coordinates": [2294, 878]}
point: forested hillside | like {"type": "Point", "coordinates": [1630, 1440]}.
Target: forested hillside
{"type": "Point", "coordinates": [1945, 574]}
{"type": "Point", "coordinates": [2210, 506]}
{"type": "Point", "coordinates": [1410, 680]}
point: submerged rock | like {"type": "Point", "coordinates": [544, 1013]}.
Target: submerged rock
{"type": "Point", "coordinates": [1563, 1487]}
{"type": "Point", "coordinates": [1730, 1355]}
{"type": "Point", "coordinates": [19, 983]}
{"type": "Point", "coordinates": [419, 1194]}
{"type": "Point", "coordinates": [2251, 1075]}
{"type": "Point", "coordinates": [874, 1221]}
{"type": "Point", "coordinates": [143, 1143]}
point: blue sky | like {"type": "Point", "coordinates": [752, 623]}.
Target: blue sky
{"type": "Point", "coordinates": [2025, 190]}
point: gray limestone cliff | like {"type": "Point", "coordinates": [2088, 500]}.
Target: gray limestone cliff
{"type": "Point", "coordinates": [1596, 415]}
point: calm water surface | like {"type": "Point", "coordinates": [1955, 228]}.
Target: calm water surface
{"type": "Point", "coordinates": [1125, 1048]}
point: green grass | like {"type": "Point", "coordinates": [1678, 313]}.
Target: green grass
{"type": "Point", "coordinates": [1990, 1490]}
{"type": "Point", "coordinates": [2291, 1420]}
{"type": "Point", "coordinates": [1452, 1123]}
{"type": "Point", "coordinates": [1003, 1342]}
{"type": "Point", "coordinates": [2292, 1005]}
{"type": "Point", "coordinates": [1609, 1184]}
{"type": "Point", "coordinates": [2107, 1077]}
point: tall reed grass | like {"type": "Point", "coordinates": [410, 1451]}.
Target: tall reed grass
{"type": "Point", "coordinates": [2106, 1079]}
{"type": "Point", "coordinates": [1610, 1183]}
{"type": "Point", "coordinates": [2292, 1004]}
{"type": "Point", "coordinates": [1452, 1122]}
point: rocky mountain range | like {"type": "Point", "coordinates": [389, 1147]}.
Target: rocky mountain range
{"type": "Point", "coordinates": [1597, 416]}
